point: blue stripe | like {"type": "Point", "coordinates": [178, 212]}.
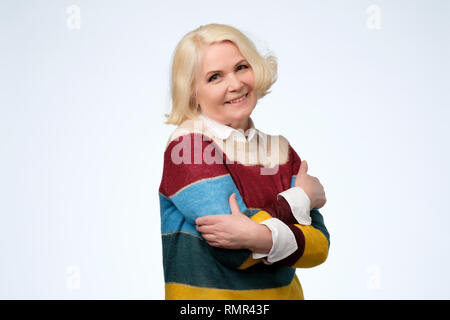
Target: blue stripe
{"type": "Point", "coordinates": [207, 197]}
{"type": "Point", "coordinates": [293, 181]}
{"type": "Point", "coordinates": [172, 219]}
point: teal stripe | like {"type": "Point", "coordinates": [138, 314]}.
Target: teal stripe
{"type": "Point", "coordinates": [188, 260]}
{"type": "Point", "coordinates": [316, 218]}
{"type": "Point", "coordinates": [318, 223]}
{"type": "Point", "coordinates": [250, 212]}
{"type": "Point", "coordinates": [172, 220]}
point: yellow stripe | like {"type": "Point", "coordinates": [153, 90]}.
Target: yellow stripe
{"type": "Point", "coordinates": [260, 216]}
{"type": "Point", "coordinates": [316, 245]}
{"type": "Point", "coordinates": [257, 217]}
{"type": "Point", "coordinates": [316, 248]}
{"type": "Point", "coordinates": [177, 291]}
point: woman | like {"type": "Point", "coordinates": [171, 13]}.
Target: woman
{"type": "Point", "coordinates": [238, 209]}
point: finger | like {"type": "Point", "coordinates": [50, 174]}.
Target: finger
{"type": "Point", "coordinates": [210, 237]}
{"type": "Point", "coordinates": [205, 229]}
{"type": "Point", "coordinates": [214, 244]}
{"type": "Point", "coordinates": [303, 167]}
{"type": "Point", "coordinates": [234, 205]}
{"type": "Point", "coordinates": [208, 220]}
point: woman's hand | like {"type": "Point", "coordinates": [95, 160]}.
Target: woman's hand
{"type": "Point", "coordinates": [311, 185]}
{"type": "Point", "coordinates": [235, 230]}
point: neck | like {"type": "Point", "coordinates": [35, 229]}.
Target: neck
{"type": "Point", "coordinates": [243, 124]}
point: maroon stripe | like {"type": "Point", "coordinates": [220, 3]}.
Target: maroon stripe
{"type": "Point", "coordinates": [261, 189]}
{"type": "Point", "coordinates": [180, 167]}
{"type": "Point", "coordinates": [293, 258]}
{"type": "Point", "coordinates": [281, 210]}
{"type": "Point", "coordinates": [257, 190]}
{"type": "Point", "coordinates": [295, 160]}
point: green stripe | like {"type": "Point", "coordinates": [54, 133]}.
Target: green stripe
{"type": "Point", "coordinates": [188, 260]}
{"type": "Point", "coordinates": [318, 223]}
{"type": "Point", "coordinates": [233, 258]}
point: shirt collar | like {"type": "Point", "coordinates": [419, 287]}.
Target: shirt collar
{"type": "Point", "coordinates": [225, 132]}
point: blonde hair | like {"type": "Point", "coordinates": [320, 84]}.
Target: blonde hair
{"type": "Point", "coordinates": [186, 62]}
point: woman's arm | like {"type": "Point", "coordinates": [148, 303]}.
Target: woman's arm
{"type": "Point", "coordinates": [198, 190]}
{"type": "Point", "coordinates": [237, 231]}
{"type": "Point", "coordinates": [313, 242]}
{"type": "Point", "coordinates": [311, 239]}
{"type": "Point", "coordinates": [192, 190]}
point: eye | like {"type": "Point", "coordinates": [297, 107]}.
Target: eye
{"type": "Point", "coordinates": [243, 65]}
{"type": "Point", "coordinates": [212, 77]}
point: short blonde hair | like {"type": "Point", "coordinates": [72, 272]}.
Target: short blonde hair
{"type": "Point", "coordinates": [186, 63]}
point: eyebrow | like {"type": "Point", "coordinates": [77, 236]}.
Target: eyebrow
{"type": "Point", "coordinates": [219, 70]}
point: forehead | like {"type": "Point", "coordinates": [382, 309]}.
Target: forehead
{"type": "Point", "coordinates": [220, 56]}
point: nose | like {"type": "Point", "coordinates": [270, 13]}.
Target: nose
{"type": "Point", "coordinates": [234, 83]}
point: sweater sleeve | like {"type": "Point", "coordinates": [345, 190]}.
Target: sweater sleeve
{"type": "Point", "coordinates": [196, 189]}
{"type": "Point", "coordinates": [313, 239]}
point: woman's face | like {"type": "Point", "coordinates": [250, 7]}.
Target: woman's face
{"type": "Point", "coordinates": [224, 76]}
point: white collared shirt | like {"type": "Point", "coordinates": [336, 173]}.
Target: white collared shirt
{"type": "Point", "coordinates": [283, 239]}
{"type": "Point", "coordinates": [225, 132]}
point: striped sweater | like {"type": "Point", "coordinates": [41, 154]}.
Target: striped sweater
{"type": "Point", "coordinates": [200, 172]}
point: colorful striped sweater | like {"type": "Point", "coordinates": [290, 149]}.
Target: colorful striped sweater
{"type": "Point", "coordinates": [200, 172]}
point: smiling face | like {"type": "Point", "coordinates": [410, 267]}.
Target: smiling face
{"type": "Point", "coordinates": [225, 85]}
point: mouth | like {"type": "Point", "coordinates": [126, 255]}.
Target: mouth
{"type": "Point", "coordinates": [238, 101]}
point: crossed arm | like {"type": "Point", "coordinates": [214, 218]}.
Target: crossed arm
{"type": "Point", "coordinates": [237, 231]}
{"type": "Point", "coordinates": [205, 191]}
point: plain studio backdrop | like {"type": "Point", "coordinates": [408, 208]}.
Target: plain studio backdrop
{"type": "Point", "coordinates": [362, 95]}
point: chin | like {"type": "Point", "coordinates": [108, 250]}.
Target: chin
{"type": "Point", "coordinates": [241, 114]}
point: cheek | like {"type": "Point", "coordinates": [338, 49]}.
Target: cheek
{"type": "Point", "coordinates": [220, 94]}
{"type": "Point", "coordinates": [211, 96]}
{"type": "Point", "coordinates": [250, 79]}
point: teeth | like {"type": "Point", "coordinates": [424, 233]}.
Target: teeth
{"type": "Point", "coordinates": [238, 100]}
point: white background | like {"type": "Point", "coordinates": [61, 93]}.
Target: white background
{"type": "Point", "coordinates": [82, 138]}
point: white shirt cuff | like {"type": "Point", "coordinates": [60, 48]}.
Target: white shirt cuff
{"type": "Point", "coordinates": [299, 202]}
{"type": "Point", "coordinates": [283, 241]}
